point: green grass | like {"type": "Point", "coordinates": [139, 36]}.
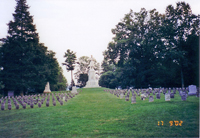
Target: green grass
{"type": "Point", "coordinates": [95, 113]}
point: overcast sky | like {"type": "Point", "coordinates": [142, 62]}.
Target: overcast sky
{"type": "Point", "coordinates": [83, 26]}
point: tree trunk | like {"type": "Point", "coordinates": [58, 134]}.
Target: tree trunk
{"type": "Point", "coordinates": [72, 79]}
{"type": "Point", "coordinates": [182, 79]}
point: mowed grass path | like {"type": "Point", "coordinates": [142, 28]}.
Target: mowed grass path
{"type": "Point", "coordinates": [95, 113]}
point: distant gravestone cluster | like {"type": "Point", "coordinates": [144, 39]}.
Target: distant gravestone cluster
{"type": "Point", "coordinates": [35, 100]}
{"type": "Point", "coordinates": [149, 93]}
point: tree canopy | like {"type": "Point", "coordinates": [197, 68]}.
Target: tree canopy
{"type": "Point", "coordinates": [153, 49]}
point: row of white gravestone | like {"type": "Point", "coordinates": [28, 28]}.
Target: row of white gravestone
{"type": "Point", "coordinates": [151, 98]}
{"type": "Point", "coordinates": [168, 95]}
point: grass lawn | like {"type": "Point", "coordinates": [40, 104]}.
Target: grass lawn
{"type": "Point", "coordinates": [95, 113]}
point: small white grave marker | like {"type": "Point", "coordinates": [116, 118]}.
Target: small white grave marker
{"type": "Point", "coordinates": [167, 97]}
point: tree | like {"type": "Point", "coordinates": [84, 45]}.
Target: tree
{"type": "Point", "coordinates": [83, 78]}
{"type": "Point", "coordinates": [154, 49]}
{"type": "Point", "coordinates": [136, 41]}
{"type": "Point", "coordinates": [82, 66]}
{"type": "Point", "coordinates": [106, 64]}
{"type": "Point", "coordinates": [180, 25]}
{"type": "Point", "coordinates": [1, 68]}
{"type": "Point", "coordinates": [61, 83]}
{"type": "Point", "coordinates": [108, 80]}
{"type": "Point", "coordinates": [26, 63]}
{"type": "Point", "coordinates": [70, 63]}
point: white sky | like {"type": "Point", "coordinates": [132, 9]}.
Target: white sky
{"type": "Point", "coordinates": [83, 26]}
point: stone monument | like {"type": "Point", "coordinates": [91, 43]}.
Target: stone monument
{"type": "Point", "coordinates": [74, 90]}
{"type": "Point", "coordinates": [92, 81]}
{"type": "Point", "coordinates": [47, 88]}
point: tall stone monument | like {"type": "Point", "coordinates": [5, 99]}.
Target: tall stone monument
{"type": "Point", "coordinates": [47, 88]}
{"type": "Point", "coordinates": [92, 81]}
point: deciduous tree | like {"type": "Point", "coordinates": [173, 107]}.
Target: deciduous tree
{"type": "Point", "coordinates": [70, 62]}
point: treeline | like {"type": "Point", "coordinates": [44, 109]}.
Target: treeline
{"type": "Point", "coordinates": [150, 49]}
{"type": "Point", "coordinates": [26, 65]}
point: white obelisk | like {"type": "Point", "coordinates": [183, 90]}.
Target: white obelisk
{"type": "Point", "coordinates": [47, 88]}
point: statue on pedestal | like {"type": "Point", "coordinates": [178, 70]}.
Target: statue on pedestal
{"type": "Point", "coordinates": [92, 81]}
{"type": "Point", "coordinates": [91, 63]}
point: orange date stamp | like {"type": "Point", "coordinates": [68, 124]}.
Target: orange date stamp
{"type": "Point", "coordinates": [171, 123]}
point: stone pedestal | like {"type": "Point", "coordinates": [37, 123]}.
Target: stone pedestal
{"type": "Point", "coordinates": [92, 81]}
{"type": "Point", "coordinates": [74, 91]}
{"type": "Point", "coordinates": [47, 88]}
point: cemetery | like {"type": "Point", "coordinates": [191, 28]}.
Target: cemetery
{"type": "Point", "coordinates": [102, 112]}
{"type": "Point", "coordinates": [145, 86]}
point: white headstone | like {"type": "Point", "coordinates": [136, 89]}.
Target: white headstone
{"type": "Point", "coordinates": [192, 90]}
{"type": "Point", "coordinates": [167, 97]}
{"type": "Point", "coordinates": [47, 88]}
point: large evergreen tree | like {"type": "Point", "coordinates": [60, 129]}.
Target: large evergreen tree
{"type": "Point", "coordinates": [61, 82]}
{"type": "Point", "coordinates": [26, 63]}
